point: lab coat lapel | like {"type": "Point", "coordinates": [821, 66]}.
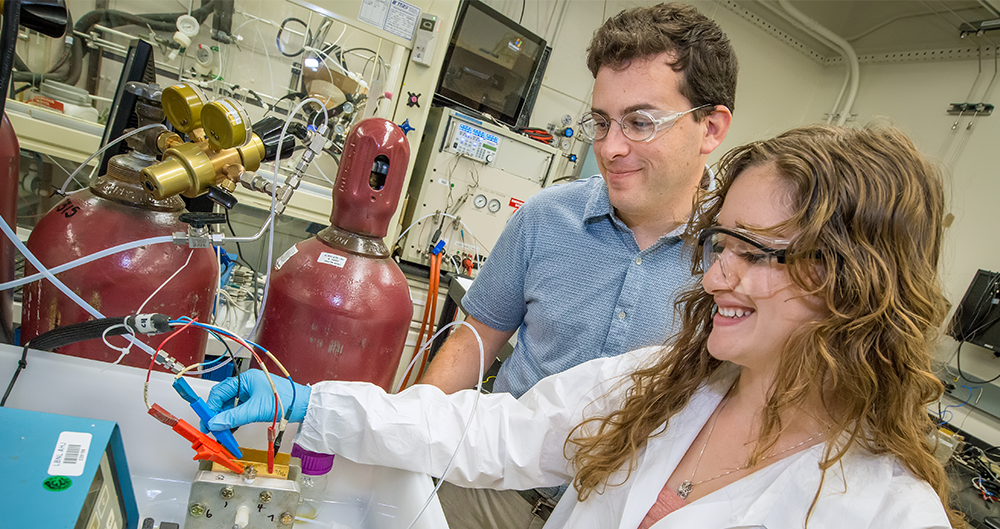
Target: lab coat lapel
{"type": "Point", "coordinates": [850, 502]}
{"type": "Point", "coordinates": [664, 452]}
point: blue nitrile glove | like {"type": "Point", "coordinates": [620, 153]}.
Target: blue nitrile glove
{"type": "Point", "coordinates": [256, 400]}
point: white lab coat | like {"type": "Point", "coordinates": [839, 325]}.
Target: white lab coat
{"type": "Point", "coordinates": [518, 444]}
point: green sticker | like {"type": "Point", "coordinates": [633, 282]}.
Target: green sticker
{"type": "Point", "coordinates": [57, 483]}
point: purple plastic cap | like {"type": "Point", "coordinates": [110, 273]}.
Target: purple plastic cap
{"type": "Point", "coordinates": [313, 464]}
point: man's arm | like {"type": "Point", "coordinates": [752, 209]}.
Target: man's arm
{"type": "Point", "coordinates": [456, 365]}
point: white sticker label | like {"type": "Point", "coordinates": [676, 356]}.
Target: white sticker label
{"type": "Point", "coordinates": [394, 16]}
{"type": "Point", "coordinates": [70, 455]}
{"type": "Point", "coordinates": [332, 259]}
{"type": "Point", "coordinates": [286, 256]}
{"type": "Point", "coordinates": [443, 181]}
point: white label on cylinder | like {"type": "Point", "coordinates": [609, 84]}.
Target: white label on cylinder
{"type": "Point", "coordinates": [332, 259]}
{"type": "Point", "coordinates": [70, 455]}
{"type": "Point", "coordinates": [286, 256]}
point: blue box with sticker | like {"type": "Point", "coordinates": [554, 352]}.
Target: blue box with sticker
{"type": "Point", "coordinates": [64, 472]}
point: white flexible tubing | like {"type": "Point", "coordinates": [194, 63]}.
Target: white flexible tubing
{"type": "Point", "coordinates": [86, 259]}
{"type": "Point", "coordinates": [468, 424]}
{"type": "Point", "coordinates": [269, 225]}
{"type": "Point", "coordinates": [62, 190]}
{"type": "Point", "coordinates": [59, 284]}
{"type": "Point", "coordinates": [849, 55]}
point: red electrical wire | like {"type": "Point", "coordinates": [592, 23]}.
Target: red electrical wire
{"type": "Point", "coordinates": [152, 359]}
{"type": "Point", "coordinates": [541, 135]}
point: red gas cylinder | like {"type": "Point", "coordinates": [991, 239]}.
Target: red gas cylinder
{"type": "Point", "coordinates": [338, 307]}
{"type": "Point", "coordinates": [114, 210]}
{"type": "Point", "coordinates": [10, 159]}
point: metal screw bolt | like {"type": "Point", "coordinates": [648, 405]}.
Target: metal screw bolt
{"type": "Point", "coordinates": [286, 518]}
{"type": "Point", "coordinates": [227, 492]}
{"type": "Point", "coordinates": [265, 496]}
{"type": "Point", "coordinates": [197, 510]}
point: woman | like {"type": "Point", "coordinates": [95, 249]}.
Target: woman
{"type": "Point", "coordinates": [794, 395]}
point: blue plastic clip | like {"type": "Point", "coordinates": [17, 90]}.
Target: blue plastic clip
{"type": "Point", "coordinates": [225, 437]}
{"type": "Point", "coordinates": [438, 247]}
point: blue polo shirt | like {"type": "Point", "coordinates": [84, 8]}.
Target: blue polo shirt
{"type": "Point", "coordinates": [569, 274]}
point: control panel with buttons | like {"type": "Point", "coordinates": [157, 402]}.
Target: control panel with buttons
{"type": "Point", "coordinates": [474, 142]}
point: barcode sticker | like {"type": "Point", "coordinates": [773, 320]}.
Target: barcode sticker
{"type": "Point", "coordinates": [332, 259]}
{"type": "Point", "coordinates": [70, 455]}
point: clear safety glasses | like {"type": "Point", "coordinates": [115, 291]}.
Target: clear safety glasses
{"type": "Point", "coordinates": [748, 261]}
{"type": "Point", "coordinates": [638, 125]}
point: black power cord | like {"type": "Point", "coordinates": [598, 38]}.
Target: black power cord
{"type": "Point", "coordinates": [88, 330]}
{"type": "Point", "coordinates": [8, 35]}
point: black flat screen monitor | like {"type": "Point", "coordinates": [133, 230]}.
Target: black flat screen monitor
{"type": "Point", "coordinates": [977, 318]}
{"type": "Point", "coordinates": [490, 65]}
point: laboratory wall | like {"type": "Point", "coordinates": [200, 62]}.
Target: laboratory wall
{"type": "Point", "coordinates": [915, 97]}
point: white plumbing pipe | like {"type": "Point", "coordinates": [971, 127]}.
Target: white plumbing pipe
{"type": "Point", "coordinates": [850, 57]}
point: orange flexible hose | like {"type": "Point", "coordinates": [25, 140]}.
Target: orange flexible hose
{"type": "Point", "coordinates": [430, 326]}
{"type": "Point", "coordinates": [432, 287]}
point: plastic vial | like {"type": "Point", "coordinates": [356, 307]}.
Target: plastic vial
{"type": "Point", "coordinates": [315, 471]}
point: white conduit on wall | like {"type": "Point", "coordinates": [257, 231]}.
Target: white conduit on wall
{"type": "Point", "coordinates": [850, 57]}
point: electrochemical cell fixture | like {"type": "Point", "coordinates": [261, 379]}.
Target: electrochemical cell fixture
{"type": "Point", "coordinates": [470, 177]}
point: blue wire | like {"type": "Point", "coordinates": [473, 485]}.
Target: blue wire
{"type": "Point", "coordinates": [212, 329]}
{"type": "Point", "coordinates": [946, 408]}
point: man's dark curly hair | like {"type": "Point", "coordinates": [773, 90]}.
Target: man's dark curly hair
{"type": "Point", "coordinates": [696, 45]}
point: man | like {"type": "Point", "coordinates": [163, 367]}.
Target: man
{"type": "Point", "coordinates": [592, 268]}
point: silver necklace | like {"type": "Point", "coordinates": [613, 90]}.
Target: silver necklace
{"type": "Point", "coordinates": [687, 486]}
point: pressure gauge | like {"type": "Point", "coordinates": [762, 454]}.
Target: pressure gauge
{"type": "Point", "coordinates": [479, 201]}
{"type": "Point", "coordinates": [494, 206]}
{"type": "Point", "coordinates": [226, 123]}
{"type": "Point", "coordinates": [564, 144]}
{"type": "Point", "coordinates": [182, 103]}
{"type": "Point", "coordinates": [204, 55]}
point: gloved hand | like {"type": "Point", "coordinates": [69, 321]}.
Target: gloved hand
{"type": "Point", "coordinates": [256, 400]}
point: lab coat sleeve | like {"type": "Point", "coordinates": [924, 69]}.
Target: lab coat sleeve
{"type": "Point", "coordinates": [510, 444]}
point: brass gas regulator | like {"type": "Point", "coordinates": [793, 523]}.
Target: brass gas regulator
{"type": "Point", "coordinates": [223, 146]}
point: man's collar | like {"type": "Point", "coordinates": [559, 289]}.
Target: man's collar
{"type": "Point", "coordinates": [599, 203]}
{"type": "Point", "coordinates": [599, 206]}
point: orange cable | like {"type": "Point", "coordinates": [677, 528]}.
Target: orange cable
{"type": "Point", "coordinates": [430, 330]}
{"type": "Point", "coordinates": [423, 323]}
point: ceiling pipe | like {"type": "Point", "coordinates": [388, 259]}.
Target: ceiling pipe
{"type": "Point", "coordinates": [847, 71]}
{"type": "Point", "coordinates": [850, 57]}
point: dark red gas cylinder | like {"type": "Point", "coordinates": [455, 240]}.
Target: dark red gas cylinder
{"type": "Point", "coordinates": [338, 307]}
{"type": "Point", "coordinates": [10, 159]}
{"type": "Point", "coordinates": [115, 210]}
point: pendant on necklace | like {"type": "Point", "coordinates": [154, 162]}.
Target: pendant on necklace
{"type": "Point", "coordinates": [685, 489]}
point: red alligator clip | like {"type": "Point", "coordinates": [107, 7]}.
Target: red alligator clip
{"type": "Point", "coordinates": [207, 448]}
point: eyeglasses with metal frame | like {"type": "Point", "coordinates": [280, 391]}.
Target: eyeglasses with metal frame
{"type": "Point", "coordinates": [638, 125]}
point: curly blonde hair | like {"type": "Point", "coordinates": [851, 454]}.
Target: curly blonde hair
{"type": "Point", "coordinates": [868, 208]}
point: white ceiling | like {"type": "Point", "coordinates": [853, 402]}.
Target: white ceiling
{"type": "Point", "coordinates": [875, 27]}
